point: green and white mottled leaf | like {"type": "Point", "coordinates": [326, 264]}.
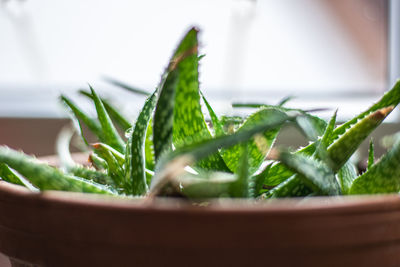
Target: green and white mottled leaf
{"type": "Point", "coordinates": [209, 185]}
{"type": "Point", "coordinates": [216, 124]}
{"type": "Point", "coordinates": [80, 116]}
{"type": "Point", "coordinates": [382, 177]}
{"type": "Point", "coordinates": [70, 166]}
{"type": "Point", "coordinates": [149, 147]}
{"type": "Point", "coordinates": [136, 155]}
{"type": "Point", "coordinates": [371, 155]}
{"type": "Point", "coordinates": [344, 147]}
{"type": "Point", "coordinates": [115, 163]}
{"type": "Point", "coordinates": [114, 113]}
{"type": "Point", "coordinates": [314, 173]}
{"type": "Point", "coordinates": [46, 177]}
{"type": "Point", "coordinates": [189, 125]}
{"type": "Point", "coordinates": [7, 175]}
{"type": "Point", "coordinates": [346, 175]}
{"type": "Point", "coordinates": [195, 152]}
{"type": "Point", "coordinates": [391, 98]}
{"type": "Point", "coordinates": [109, 133]}
{"type": "Point", "coordinates": [240, 188]}
{"type": "Point", "coordinates": [258, 147]}
{"type": "Point", "coordinates": [291, 187]}
{"type": "Point", "coordinates": [163, 116]}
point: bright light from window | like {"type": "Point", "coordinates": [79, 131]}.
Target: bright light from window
{"type": "Point", "coordinates": [254, 49]}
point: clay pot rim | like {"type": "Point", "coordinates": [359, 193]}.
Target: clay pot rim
{"type": "Point", "coordinates": [340, 204]}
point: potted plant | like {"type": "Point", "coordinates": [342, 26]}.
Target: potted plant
{"type": "Point", "coordinates": [181, 192]}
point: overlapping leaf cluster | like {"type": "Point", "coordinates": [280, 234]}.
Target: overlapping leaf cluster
{"type": "Point", "coordinates": [170, 149]}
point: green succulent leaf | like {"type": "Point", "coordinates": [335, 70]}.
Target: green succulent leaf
{"type": "Point", "coordinates": [347, 174]}
{"type": "Point", "coordinates": [115, 162]}
{"type": "Point", "coordinates": [110, 134]}
{"type": "Point", "coordinates": [189, 125]}
{"type": "Point", "coordinates": [314, 173]}
{"type": "Point", "coordinates": [240, 188]}
{"type": "Point", "coordinates": [285, 100]}
{"type": "Point", "coordinates": [136, 153]}
{"type": "Point", "coordinates": [314, 127]}
{"type": "Point", "coordinates": [257, 182]}
{"type": "Point", "coordinates": [197, 151]}
{"type": "Point", "coordinates": [8, 175]}
{"type": "Point", "coordinates": [344, 147]}
{"type": "Point", "coordinates": [279, 173]}
{"type": "Point", "coordinates": [80, 116]}
{"type": "Point", "coordinates": [70, 166]}
{"type": "Point", "coordinates": [217, 126]}
{"type": "Point", "coordinates": [382, 177]}
{"type": "Point", "coordinates": [125, 86]}
{"type": "Point", "coordinates": [149, 147]}
{"type": "Point", "coordinates": [163, 116]}
{"type": "Point", "coordinates": [46, 177]}
{"type": "Point", "coordinates": [391, 98]}
{"type": "Point", "coordinates": [114, 113]}
{"type": "Point", "coordinates": [371, 156]}
{"type": "Point", "coordinates": [258, 147]}
{"type": "Point", "coordinates": [208, 185]}
{"type": "Point", "coordinates": [290, 187]}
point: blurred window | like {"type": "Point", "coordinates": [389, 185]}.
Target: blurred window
{"type": "Point", "coordinates": [326, 53]}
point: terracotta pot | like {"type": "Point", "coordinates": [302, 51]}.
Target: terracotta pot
{"type": "Point", "coordinates": [71, 229]}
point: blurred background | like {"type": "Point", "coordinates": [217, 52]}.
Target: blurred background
{"type": "Point", "coordinates": [328, 54]}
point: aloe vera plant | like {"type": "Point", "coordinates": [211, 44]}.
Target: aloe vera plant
{"type": "Point", "coordinates": [171, 150]}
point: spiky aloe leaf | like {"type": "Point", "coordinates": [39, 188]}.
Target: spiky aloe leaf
{"type": "Point", "coordinates": [114, 113]}
{"type": "Point", "coordinates": [110, 134]}
{"type": "Point", "coordinates": [230, 123]}
{"type": "Point", "coordinates": [314, 173]}
{"type": "Point", "coordinates": [290, 187]}
{"type": "Point", "coordinates": [163, 116]}
{"type": "Point", "coordinates": [258, 147]}
{"type": "Point", "coordinates": [189, 125]}
{"type": "Point", "coordinates": [209, 185]}
{"type": "Point", "coordinates": [257, 182]}
{"type": "Point", "coordinates": [115, 162]}
{"type": "Point", "coordinates": [45, 177]}
{"type": "Point", "coordinates": [126, 86]}
{"type": "Point", "coordinates": [11, 176]}
{"type": "Point", "coordinates": [371, 157]}
{"type": "Point", "coordinates": [327, 136]}
{"type": "Point", "coordinates": [68, 164]}
{"type": "Point", "coordinates": [97, 162]}
{"type": "Point", "coordinates": [80, 116]}
{"type": "Point", "coordinates": [248, 105]}
{"type": "Point", "coordinates": [7, 175]}
{"type": "Point", "coordinates": [342, 149]}
{"type": "Point", "coordinates": [149, 147]}
{"type": "Point", "coordinates": [240, 188]}
{"type": "Point", "coordinates": [197, 151]}
{"type": "Point", "coordinates": [312, 127]}
{"type": "Point", "coordinates": [315, 126]}
{"type": "Point", "coordinates": [347, 174]}
{"type": "Point", "coordinates": [382, 177]}
{"type": "Point", "coordinates": [285, 100]}
{"type": "Point", "coordinates": [136, 154]}
{"type": "Point", "coordinates": [279, 173]}
{"type": "Point", "coordinates": [391, 98]}
{"type": "Point", "coordinates": [216, 124]}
